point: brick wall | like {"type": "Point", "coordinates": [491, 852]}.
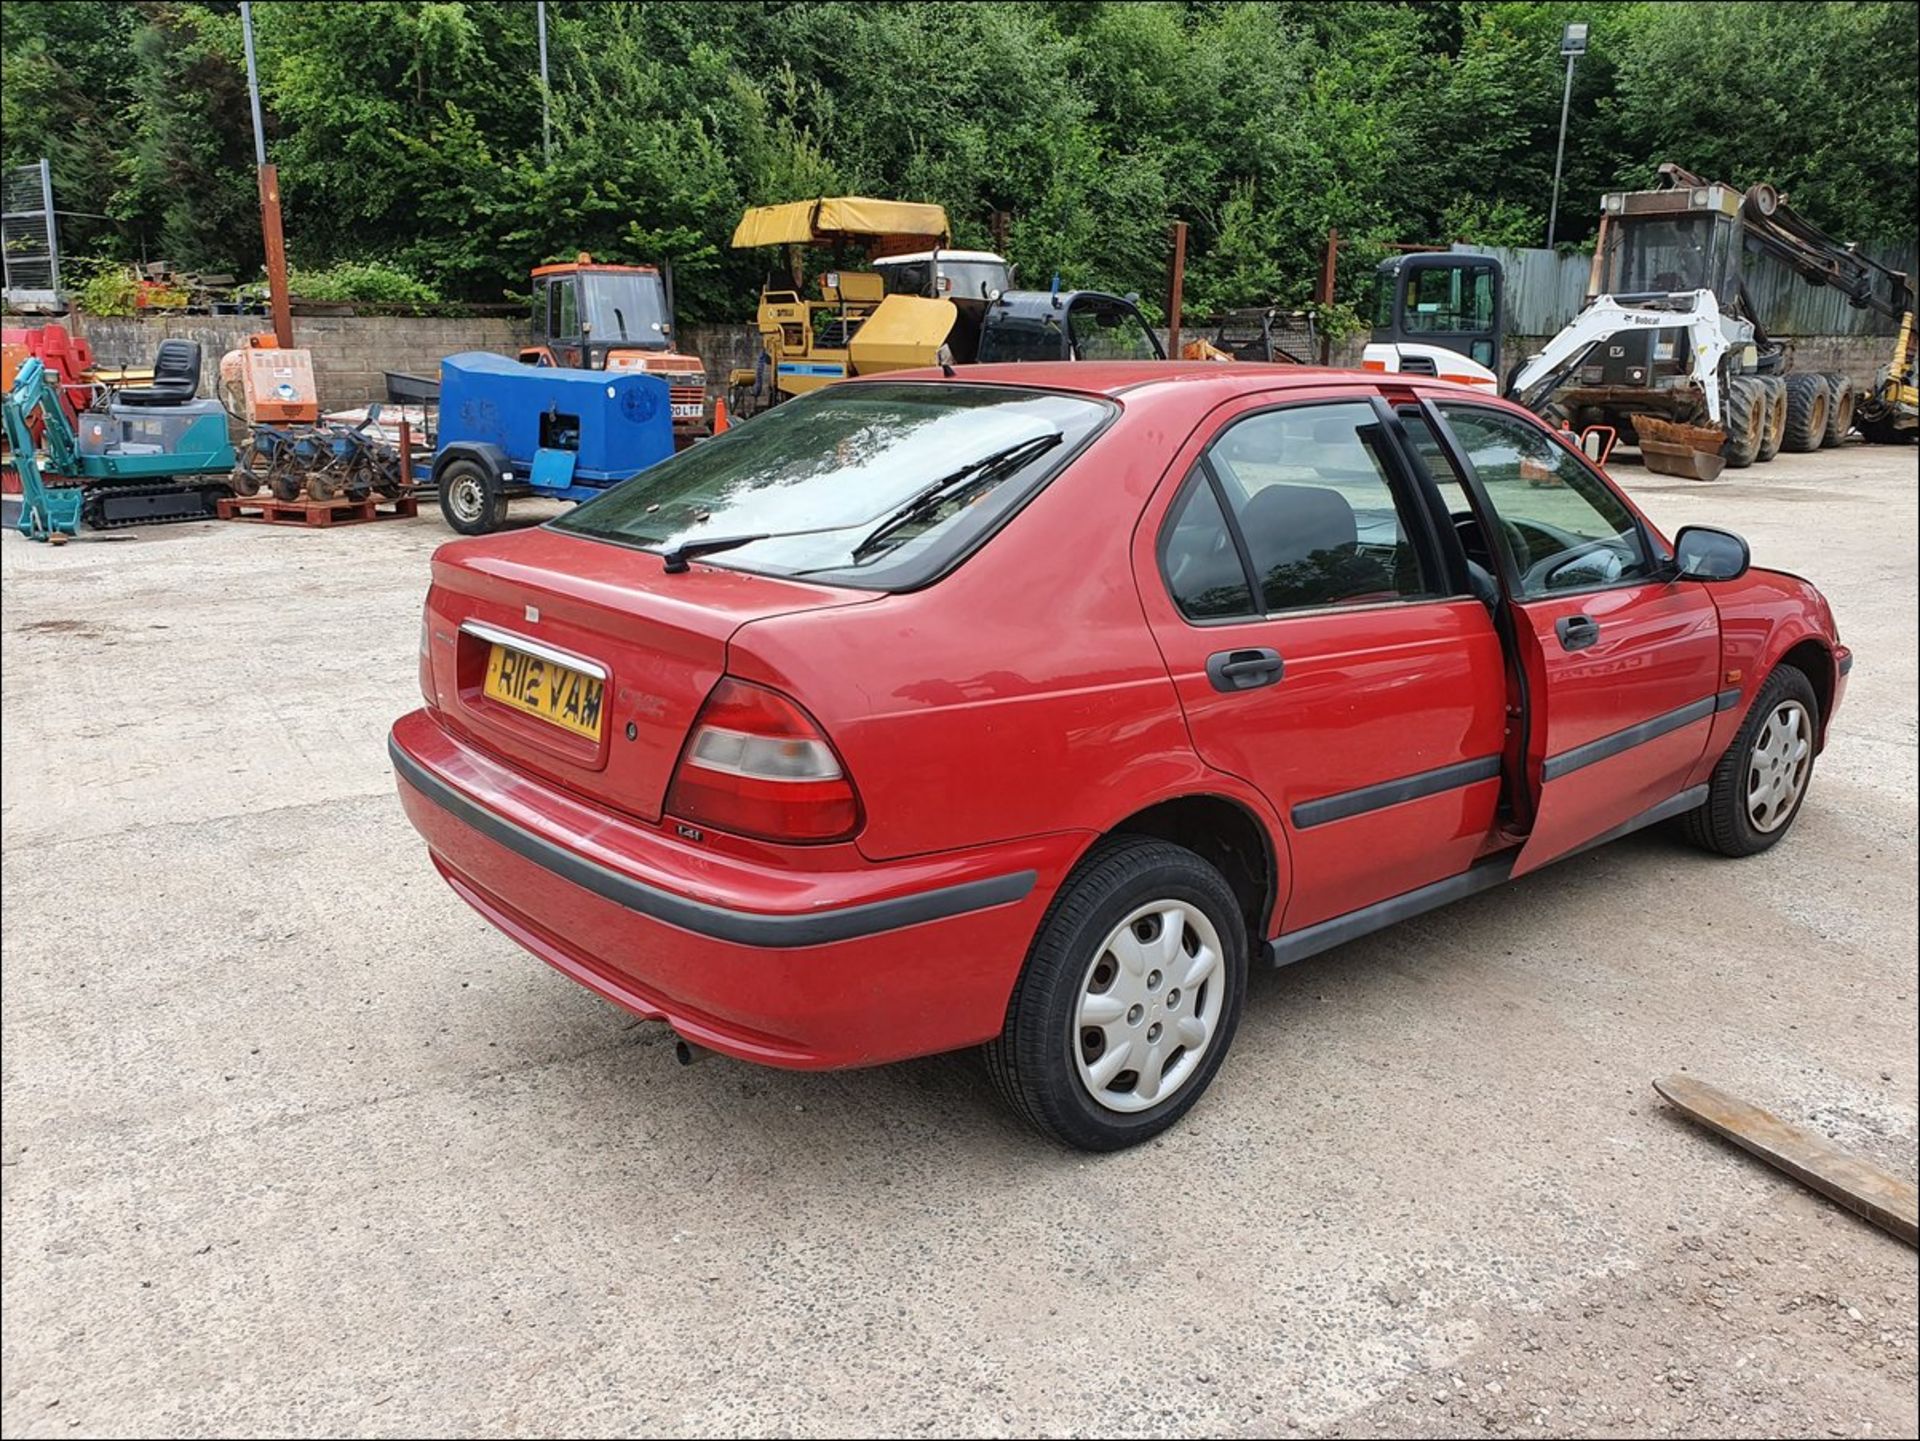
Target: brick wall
{"type": "Point", "coordinates": [351, 354]}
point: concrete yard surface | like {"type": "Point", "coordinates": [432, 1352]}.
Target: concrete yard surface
{"type": "Point", "coordinates": [294, 1143]}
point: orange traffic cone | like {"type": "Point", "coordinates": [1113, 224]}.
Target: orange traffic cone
{"type": "Point", "coordinates": [719, 414]}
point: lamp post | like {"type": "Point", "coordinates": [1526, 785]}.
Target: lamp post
{"type": "Point", "coordinates": [546, 94]}
{"type": "Point", "coordinates": [1573, 44]}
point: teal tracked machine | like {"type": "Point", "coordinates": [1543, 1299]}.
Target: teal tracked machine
{"type": "Point", "coordinates": [137, 456]}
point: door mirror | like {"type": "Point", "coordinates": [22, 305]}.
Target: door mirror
{"type": "Point", "coordinates": [1704, 553]}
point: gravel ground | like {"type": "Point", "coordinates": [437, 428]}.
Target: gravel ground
{"type": "Point", "coordinates": [293, 1143]}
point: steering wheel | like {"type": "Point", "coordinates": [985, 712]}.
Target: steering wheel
{"type": "Point", "coordinates": [1546, 570]}
{"type": "Point", "coordinates": [1473, 541]}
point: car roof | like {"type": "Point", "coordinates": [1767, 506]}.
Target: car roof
{"type": "Point", "coordinates": [1116, 377]}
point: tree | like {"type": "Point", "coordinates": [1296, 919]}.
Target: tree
{"type": "Point", "coordinates": [409, 131]}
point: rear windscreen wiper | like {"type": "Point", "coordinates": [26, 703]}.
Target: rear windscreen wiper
{"type": "Point", "coordinates": [676, 556]}
{"type": "Point", "coordinates": [974, 472]}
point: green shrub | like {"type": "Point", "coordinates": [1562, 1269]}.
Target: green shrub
{"type": "Point", "coordinates": [108, 291]}
{"type": "Point", "coordinates": [373, 282]}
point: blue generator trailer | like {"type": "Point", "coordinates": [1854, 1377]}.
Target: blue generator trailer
{"type": "Point", "coordinates": [508, 429]}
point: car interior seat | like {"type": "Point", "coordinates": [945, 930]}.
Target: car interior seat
{"type": "Point", "coordinates": [1305, 546]}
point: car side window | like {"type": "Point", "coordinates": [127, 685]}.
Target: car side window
{"type": "Point", "coordinates": [1202, 564]}
{"type": "Point", "coordinates": [1564, 526]}
{"type": "Point", "coordinates": [1322, 524]}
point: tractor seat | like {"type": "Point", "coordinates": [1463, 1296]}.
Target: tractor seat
{"type": "Point", "coordinates": [176, 376]}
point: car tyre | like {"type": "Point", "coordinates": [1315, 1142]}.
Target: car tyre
{"type": "Point", "coordinates": [1757, 789]}
{"type": "Point", "coordinates": [1108, 977]}
{"type": "Point", "coordinates": [472, 499]}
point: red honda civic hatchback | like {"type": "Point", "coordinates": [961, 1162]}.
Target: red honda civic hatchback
{"type": "Point", "coordinates": [1029, 708]}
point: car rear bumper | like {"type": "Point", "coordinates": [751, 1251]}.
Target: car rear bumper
{"type": "Point", "coordinates": [851, 964]}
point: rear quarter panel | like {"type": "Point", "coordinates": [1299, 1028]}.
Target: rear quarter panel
{"type": "Point", "coordinates": [1021, 694]}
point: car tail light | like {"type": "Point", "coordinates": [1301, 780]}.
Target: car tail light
{"type": "Point", "coordinates": [757, 765]}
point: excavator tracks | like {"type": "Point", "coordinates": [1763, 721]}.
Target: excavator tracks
{"type": "Point", "coordinates": [117, 507]}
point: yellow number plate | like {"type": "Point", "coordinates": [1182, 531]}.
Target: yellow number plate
{"type": "Point", "coordinates": [557, 693]}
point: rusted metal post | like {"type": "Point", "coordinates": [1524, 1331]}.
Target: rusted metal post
{"type": "Point", "coordinates": [276, 256]}
{"type": "Point", "coordinates": [1176, 287]}
{"type": "Point", "coordinates": [1329, 268]}
{"type": "Point", "coordinates": [269, 199]}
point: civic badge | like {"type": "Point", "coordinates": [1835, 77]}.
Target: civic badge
{"type": "Point", "coordinates": [533, 615]}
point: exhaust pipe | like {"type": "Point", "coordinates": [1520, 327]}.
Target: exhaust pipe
{"type": "Point", "coordinates": [687, 1053]}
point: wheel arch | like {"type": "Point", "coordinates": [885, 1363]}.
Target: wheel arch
{"type": "Point", "coordinates": [1813, 658]}
{"type": "Point", "coordinates": [484, 452]}
{"type": "Point", "coordinates": [1229, 835]}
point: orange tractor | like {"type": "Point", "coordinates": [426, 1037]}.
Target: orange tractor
{"type": "Point", "coordinates": [618, 317]}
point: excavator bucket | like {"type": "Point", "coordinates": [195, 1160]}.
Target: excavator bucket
{"type": "Point", "coordinates": [1668, 447]}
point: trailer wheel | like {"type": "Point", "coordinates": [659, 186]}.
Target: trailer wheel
{"type": "Point", "coordinates": [1807, 397]}
{"type": "Point", "coordinates": [471, 497]}
{"type": "Point", "coordinates": [1776, 428]}
{"type": "Point", "coordinates": [1746, 421]}
{"type": "Point", "coordinates": [1839, 408]}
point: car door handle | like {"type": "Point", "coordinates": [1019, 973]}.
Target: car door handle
{"type": "Point", "coordinates": [1232, 670]}
{"type": "Point", "coordinates": [1576, 632]}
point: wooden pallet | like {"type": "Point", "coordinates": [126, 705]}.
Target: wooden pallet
{"type": "Point", "coordinates": [265, 510]}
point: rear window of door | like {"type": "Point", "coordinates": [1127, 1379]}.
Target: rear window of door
{"type": "Point", "coordinates": [1295, 509]}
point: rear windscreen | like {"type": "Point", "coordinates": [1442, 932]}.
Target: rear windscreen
{"type": "Point", "coordinates": [872, 484]}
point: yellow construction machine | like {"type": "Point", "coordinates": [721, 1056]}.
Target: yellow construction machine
{"type": "Point", "coordinates": [918, 303]}
{"type": "Point", "coordinates": [856, 323]}
{"type": "Point", "coordinates": [1887, 414]}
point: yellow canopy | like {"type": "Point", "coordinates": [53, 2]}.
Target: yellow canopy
{"type": "Point", "coordinates": [886, 225]}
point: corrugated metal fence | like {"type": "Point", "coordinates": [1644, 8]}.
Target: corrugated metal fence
{"type": "Point", "coordinates": [1545, 289]}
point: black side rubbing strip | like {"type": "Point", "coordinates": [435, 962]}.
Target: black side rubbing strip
{"type": "Point", "coordinates": [1727, 699]}
{"type": "Point", "coordinates": [741, 927]}
{"type": "Point", "coordinates": [1338, 930]}
{"type": "Point", "coordinates": [1493, 871]}
{"type": "Point", "coordinates": [1392, 793]}
{"type": "Point", "coordinates": [1626, 740]}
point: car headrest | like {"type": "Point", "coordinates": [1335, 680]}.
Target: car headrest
{"type": "Point", "coordinates": [1288, 523]}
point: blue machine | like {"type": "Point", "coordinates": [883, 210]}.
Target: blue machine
{"type": "Point", "coordinates": [509, 429]}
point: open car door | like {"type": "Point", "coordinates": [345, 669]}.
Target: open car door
{"type": "Point", "coordinates": [1621, 660]}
